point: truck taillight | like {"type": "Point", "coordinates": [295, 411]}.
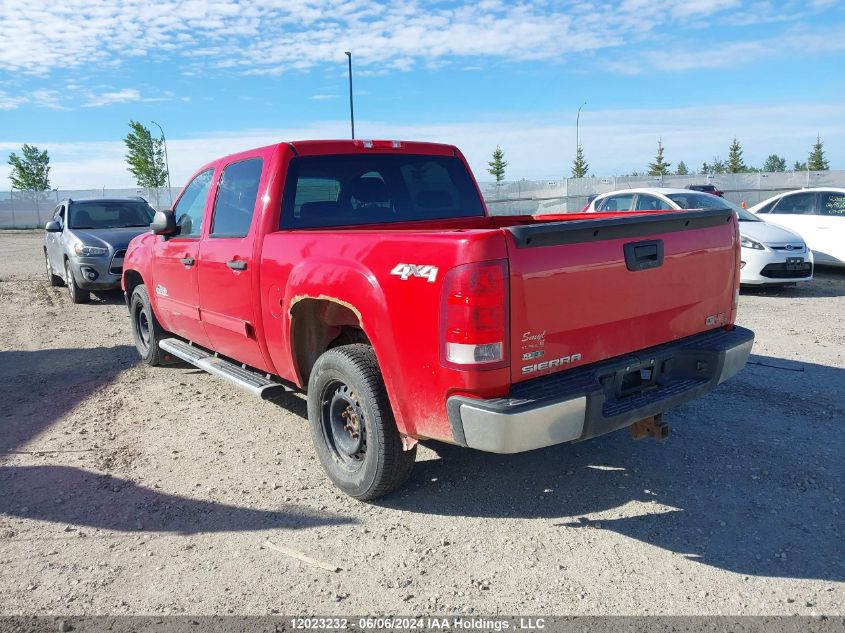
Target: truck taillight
{"type": "Point", "coordinates": [474, 315]}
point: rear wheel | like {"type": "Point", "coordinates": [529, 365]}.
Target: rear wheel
{"type": "Point", "coordinates": [53, 278]}
{"type": "Point", "coordinates": [146, 330]}
{"type": "Point", "coordinates": [352, 424]}
{"type": "Point", "coordinates": [77, 294]}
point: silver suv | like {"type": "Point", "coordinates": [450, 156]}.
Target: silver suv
{"type": "Point", "coordinates": [86, 240]}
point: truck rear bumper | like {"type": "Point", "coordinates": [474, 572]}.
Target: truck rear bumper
{"type": "Point", "coordinates": [581, 403]}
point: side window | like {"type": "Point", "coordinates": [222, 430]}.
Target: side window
{"type": "Point", "coordinates": [236, 197]}
{"type": "Point", "coordinates": [768, 207]}
{"type": "Point", "coordinates": [650, 203]}
{"type": "Point", "coordinates": [621, 202]}
{"type": "Point", "coordinates": [833, 204]}
{"type": "Point", "coordinates": [796, 204]}
{"type": "Point", "coordinates": [60, 216]}
{"type": "Point", "coordinates": [191, 205]}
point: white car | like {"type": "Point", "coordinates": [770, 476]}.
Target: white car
{"type": "Point", "coordinates": [771, 254]}
{"type": "Point", "coordinates": [818, 215]}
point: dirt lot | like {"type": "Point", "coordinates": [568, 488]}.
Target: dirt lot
{"type": "Point", "coordinates": [129, 489]}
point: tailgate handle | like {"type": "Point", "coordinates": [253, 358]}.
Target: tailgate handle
{"type": "Point", "coordinates": [643, 255]}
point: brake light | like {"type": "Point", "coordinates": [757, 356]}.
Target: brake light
{"type": "Point", "coordinates": [367, 144]}
{"type": "Point", "coordinates": [474, 315]}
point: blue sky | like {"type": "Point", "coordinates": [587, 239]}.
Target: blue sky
{"type": "Point", "coordinates": [225, 75]}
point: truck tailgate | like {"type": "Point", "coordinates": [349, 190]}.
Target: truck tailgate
{"type": "Point", "coordinates": [583, 291]}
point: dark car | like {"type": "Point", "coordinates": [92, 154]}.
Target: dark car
{"type": "Point", "coordinates": [708, 188]}
{"type": "Point", "coordinates": [87, 239]}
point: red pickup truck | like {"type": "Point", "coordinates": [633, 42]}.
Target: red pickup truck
{"type": "Point", "coordinates": [370, 275]}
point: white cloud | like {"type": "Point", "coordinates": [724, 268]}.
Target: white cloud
{"type": "Point", "coordinates": [52, 99]}
{"type": "Point", "coordinates": [615, 141]}
{"type": "Point", "coordinates": [323, 97]}
{"type": "Point", "coordinates": [275, 36]}
{"type": "Point", "coordinates": [10, 102]}
{"type": "Point", "coordinates": [108, 98]}
{"type": "Point", "coordinates": [683, 57]}
{"type": "Point", "coordinates": [74, 95]}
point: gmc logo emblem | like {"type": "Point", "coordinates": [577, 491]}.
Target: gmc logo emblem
{"type": "Point", "coordinates": [716, 319]}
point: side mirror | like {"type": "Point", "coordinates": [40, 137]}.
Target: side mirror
{"type": "Point", "coordinates": [53, 226]}
{"type": "Point", "coordinates": [164, 223]}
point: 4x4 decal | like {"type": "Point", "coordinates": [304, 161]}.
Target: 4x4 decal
{"type": "Point", "coordinates": [405, 271]}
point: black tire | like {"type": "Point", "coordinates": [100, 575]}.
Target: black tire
{"type": "Point", "coordinates": [146, 330]}
{"type": "Point", "coordinates": [77, 294]}
{"type": "Point", "coordinates": [352, 424]}
{"type": "Point", "coordinates": [53, 278]}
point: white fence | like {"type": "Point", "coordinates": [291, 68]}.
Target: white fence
{"type": "Point", "coordinates": [562, 196]}
{"type": "Point", "coordinates": [22, 210]}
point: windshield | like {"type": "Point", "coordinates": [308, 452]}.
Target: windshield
{"type": "Point", "coordinates": [706, 201]}
{"type": "Point", "coordinates": [356, 189]}
{"type": "Point", "coordinates": [110, 214]}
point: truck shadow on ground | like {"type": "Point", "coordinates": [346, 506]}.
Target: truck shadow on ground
{"type": "Point", "coordinates": [38, 388]}
{"type": "Point", "coordinates": [749, 482]}
{"type": "Point", "coordinates": [77, 497]}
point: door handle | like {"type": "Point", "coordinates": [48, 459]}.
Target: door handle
{"type": "Point", "coordinates": [188, 261]}
{"type": "Point", "coordinates": [237, 264]}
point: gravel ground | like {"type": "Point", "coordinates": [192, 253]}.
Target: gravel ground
{"type": "Point", "coordinates": [129, 489]}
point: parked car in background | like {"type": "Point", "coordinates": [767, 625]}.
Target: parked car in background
{"type": "Point", "coordinates": [85, 242]}
{"type": "Point", "coordinates": [771, 254]}
{"type": "Point", "coordinates": [817, 214]}
{"type": "Point", "coordinates": [708, 188]}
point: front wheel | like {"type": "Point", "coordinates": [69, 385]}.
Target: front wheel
{"type": "Point", "coordinates": [146, 330]}
{"type": "Point", "coordinates": [352, 424]}
{"type": "Point", "coordinates": [77, 294]}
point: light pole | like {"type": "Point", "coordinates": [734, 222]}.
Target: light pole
{"type": "Point", "coordinates": [166, 163]}
{"type": "Point", "coordinates": [577, 121]}
{"type": "Point", "coordinates": [351, 110]}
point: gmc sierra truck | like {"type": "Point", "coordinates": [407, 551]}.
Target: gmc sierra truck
{"type": "Point", "coordinates": [369, 275]}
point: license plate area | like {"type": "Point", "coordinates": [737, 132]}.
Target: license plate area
{"type": "Point", "coordinates": [794, 263]}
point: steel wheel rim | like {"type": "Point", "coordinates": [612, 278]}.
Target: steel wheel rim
{"type": "Point", "coordinates": [343, 425]}
{"type": "Point", "coordinates": [142, 327]}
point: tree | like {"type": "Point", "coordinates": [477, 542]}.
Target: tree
{"type": "Point", "coordinates": [816, 161]}
{"type": "Point", "coordinates": [799, 166]}
{"type": "Point", "coordinates": [682, 169]}
{"type": "Point", "coordinates": [580, 166]}
{"type": "Point", "coordinates": [145, 156]}
{"type": "Point", "coordinates": [774, 163]}
{"type": "Point", "coordinates": [498, 164]}
{"type": "Point", "coordinates": [659, 167]}
{"type": "Point", "coordinates": [735, 163]}
{"type": "Point", "coordinates": [717, 167]}
{"type": "Point", "coordinates": [30, 172]}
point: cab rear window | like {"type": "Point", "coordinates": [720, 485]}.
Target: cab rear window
{"type": "Point", "coordinates": [361, 189]}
